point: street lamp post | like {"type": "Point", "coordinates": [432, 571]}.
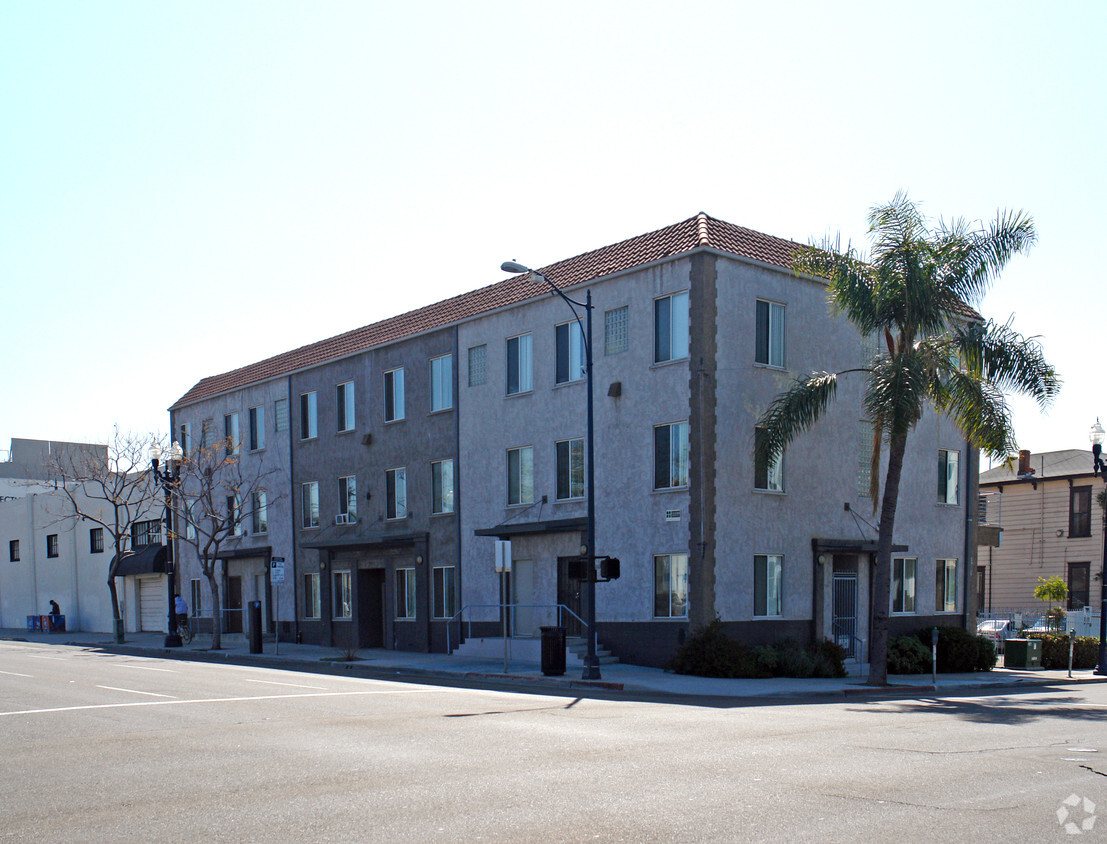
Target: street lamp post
{"type": "Point", "coordinates": [591, 659]}
{"type": "Point", "coordinates": [1100, 468]}
{"type": "Point", "coordinates": [168, 478]}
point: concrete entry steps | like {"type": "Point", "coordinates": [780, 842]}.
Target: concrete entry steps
{"type": "Point", "coordinates": [530, 650]}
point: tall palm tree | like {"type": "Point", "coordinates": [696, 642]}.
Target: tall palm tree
{"type": "Point", "coordinates": [914, 292]}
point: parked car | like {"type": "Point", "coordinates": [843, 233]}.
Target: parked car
{"type": "Point", "coordinates": [998, 630]}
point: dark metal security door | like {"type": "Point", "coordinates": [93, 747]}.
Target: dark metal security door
{"type": "Point", "coordinates": [568, 593]}
{"type": "Point", "coordinates": [845, 611]}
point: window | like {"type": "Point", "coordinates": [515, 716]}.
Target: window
{"type": "Point", "coordinates": [394, 395]}
{"type": "Point", "coordinates": [570, 352]}
{"type": "Point", "coordinates": [670, 589]}
{"type": "Point", "coordinates": [770, 334]}
{"type": "Point", "coordinates": [442, 383]}
{"type": "Point", "coordinates": [343, 606]}
{"type": "Point", "coordinates": [309, 416]}
{"type": "Point", "coordinates": [145, 533]}
{"type": "Point", "coordinates": [205, 432]}
{"type": "Point", "coordinates": [445, 592]}
{"type": "Point", "coordinates": [766, 584]}
{"type": "Point", "coordinates": [309, 503]}
{"type": "Point", "coordinates": [13, 550]}
{"type": "Point", "coordinates": [52, 545]}
{"type": "Point", "coordinates": [280, 415]}
{"type": "Point", "coordinates": [442, 486]}
{"type": "Point", "coordinates": [230, 433]}
{"type": "Point", "coordinates": [405, 593]}
{"type": "Point", "coordinates": [96, 540]}
{"type": "Point", "coordinates": [257, 428]}
{"type": "Point", "coordinates": [616, 331]}
{"type": "Point", "coordinates": [670, 456]}
{"type": "Point", "coordinates": [259, 511]}
{"type": "Point", "coordinates": [344, 406]}
{"type": "Point", "coordinates": [1080, 511]}
{"type": "Point", "coordinates": [570, 469]}
{"type": "Point", "coordinates": [519, 379]}
{"type": "Point", "coordinates": [520, 475]}
{"type": "Point", "coordinates": [945, 586]}
{"type": "Point", "coordinates": [478, 365]}
{"type": "Point", "coordinates": [948, 476]}
{"type": "Point", "coordinates": [347, 496]}
{"type": "Point", "coordinates": [197, 595]}
{"type": "Point", "coordinates": [670, 327]}
{"type": "Point", "coordinates": [768, 475]}
{"type": "Point", "coordinates": [903, 584]}
{"type": "Point", "coordinates": [1079, 585]}
{"type": "Point", "coordinates": [864, 458]}
{"type": "Point", "coordinates": [396, 494]}
{"type": "Point", "coordinates": [313, 605]}
{"type": "Point", "coordinates": [234, 514]}
{"type": "Point", "coordinates": [186, 438]}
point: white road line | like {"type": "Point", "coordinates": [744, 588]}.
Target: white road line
{"type": "Point", "coordinates": [291, 685]}
{"type": "Point", "coordinates": [142, 667]}
{"type": "Point", "coordinates": [134, 691]}
{"type": "Point", "coordinates": [223, 700]}
{"type": "Point", "coordinates": [13, 674]}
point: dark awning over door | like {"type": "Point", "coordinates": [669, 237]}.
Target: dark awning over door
{"type": "Point", "coordinates": [149, 559]}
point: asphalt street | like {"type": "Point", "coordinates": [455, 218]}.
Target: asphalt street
{"type": "Point", "coordinates": [110, 747]}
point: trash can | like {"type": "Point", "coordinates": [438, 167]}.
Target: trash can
{"type": "Point", "coordinates": [1023, 653]}
{"type": "Point", "coordinates": [255, 627]}
{"type": "Point", "coordinates": [553, 651]}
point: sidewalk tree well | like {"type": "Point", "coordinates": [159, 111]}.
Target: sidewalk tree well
{"type": "Point", "coordinates": [212, 501]}
{"type": "Point", "coordinates": [911, 292]}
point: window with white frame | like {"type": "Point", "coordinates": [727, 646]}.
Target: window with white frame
{"type": "Point", "coordinates": [347, 496]}
{"type": "Point", "coordinates": [96, 540]}
{"type": "Point", "coordinates": [344, 406]}
{"type": "Point", "coordinates": [445, 592]}
{"type": "Point", "coordinates": [405, 593]}
{"type": "Point", "coordinates": [519, 375]}
{"type": "Point", "coordinates": [569, 340]}
{"type": "Point", "coordinates": [196, 592]}
{"type": "Point", "coordinates": [313, 604]}
{"type": "Point", "coordinates": [442, 486]}
{"type": "Point", "coordinates": [616, 330]}
{"type": "Point", "coordinates": [570, 469]}
{"type": "Point", "coordinates": [670, 590]}
{"type": "Point", "coordinates": [234, 514]}
{"type": "Point", "coordinates": [670, 327]}
{"type": "Point", "coordinates": [520, 475]}
{"type": "Point", "coordinates": [442, 383]}
{"type": "Point", "coordinates": [309, 416]}
{"type": "Point", "coordinates": [309, 504]}
{"type": "Point", "coordinates": [186, 438]}
{"type": "Point", "coordinates": [52, 545]}
{"type": "Point", "coordinates": [259, 511]}
{"type": "Point", "coordinates": [945, 586]}
{"type": "Point", "coordinates": [768, 475]}
{"type": "Point", "coordinates": [478, 365]}
{"type": "Point", "coordinates": [207, 431]}
{"type": "Point", "coordinates": [670, 455]}
{"type": "Point", "coordinates": [280, 415]}
{"type": "Point", "coordinates": [395, 482]}
{"type": "Point", "coordinates": [770, 333]}
{"type": "Point", "coordinates": [394, 395]}
{"type": "Point", "coordinates": [257, 428]}
{"type": "Point", "coordinates": [230, 433]}
{"type": "Point", "coordinates": [767, 572]}
{"type": "Point", "coordinates": [948, 476]}
{"type": "Point", "coordinates": [903, 584]}
{"type": "Point", "coordinates": [342, 595]}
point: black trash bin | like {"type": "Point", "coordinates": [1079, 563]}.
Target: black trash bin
{"type": "Point", "coordinates": [553, 651]}
{"type": "Point", "coordinates": [255, 627]}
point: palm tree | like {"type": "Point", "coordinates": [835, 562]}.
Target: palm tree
{"type": "Point", "coordinates": [914, 292]}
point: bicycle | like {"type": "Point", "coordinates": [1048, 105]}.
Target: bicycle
{"type": "Point", "coordinates": [184, 630]}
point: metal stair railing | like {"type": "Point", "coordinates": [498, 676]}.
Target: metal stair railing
{"type": "Point", "coordinates": [459, 617]}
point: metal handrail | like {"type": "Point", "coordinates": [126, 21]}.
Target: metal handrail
{"type": "Point", "coordinates": [860, 657]}
{"type": "Point", "coordinates": [470, 607]}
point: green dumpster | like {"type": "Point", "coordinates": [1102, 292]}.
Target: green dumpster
{"type": "Point", "coordinates": [1023, 653]}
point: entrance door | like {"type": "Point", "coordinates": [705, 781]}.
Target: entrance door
{"type": "Point", "coordinates": [844, 617]}
{"type": "Point", "coordinates": [568, 594]}
{"type": "Point", "coordinates": [233, 613]}
{"type": "Point", "coordinates": [370, 608]}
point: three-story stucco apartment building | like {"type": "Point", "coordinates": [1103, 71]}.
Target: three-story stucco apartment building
{"type": "Point", "coordinates": [414, 444]}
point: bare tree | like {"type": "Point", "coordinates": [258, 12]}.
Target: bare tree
{"type": "Point", "coordinates": [214, 496]}
{"type": "Point", "coordinates": [110, 488]}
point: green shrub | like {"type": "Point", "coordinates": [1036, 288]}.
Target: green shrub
{"type": "Point", "coordinates": [1055, 651]}
{"type": "Point", "coordinates": [958, 649]}
{"type": "Point", "coordinates": [794, 661]}
{"type": "Point", "coordinates": [709, 652]}
{"type": "Point", "coordinates": [985, 654]}
{"type": "Point", "coordinates": [907, 655]}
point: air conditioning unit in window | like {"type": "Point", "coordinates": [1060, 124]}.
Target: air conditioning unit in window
{"type": "Point", "coordinates": [345, 519]}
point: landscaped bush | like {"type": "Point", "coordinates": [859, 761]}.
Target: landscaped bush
{"type": "Point", "coordinates": [709, 652]}
{"type": "Point", "coordinates": [907, 655]}
{"type": "Point", "coordinates": [985, 654]}
{"type": "Point", "coordinates": [959, 651]}
{"type": "Point", "coordinates": [1055, 651]}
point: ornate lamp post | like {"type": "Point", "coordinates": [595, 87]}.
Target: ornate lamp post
{"type": "Point", "coordinates": [168, 478]}
{"type": "Point", "coordinates": [1100, 468]}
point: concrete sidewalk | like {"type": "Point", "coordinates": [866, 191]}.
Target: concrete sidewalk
{"type": "Point", "coordinates": [618, 678]}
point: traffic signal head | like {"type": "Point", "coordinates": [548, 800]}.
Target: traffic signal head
{"type": "Point", "coordinates": [609, 568]}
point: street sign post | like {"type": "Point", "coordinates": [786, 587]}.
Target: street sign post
{"type": "Point", "coordinates": [276, 577]}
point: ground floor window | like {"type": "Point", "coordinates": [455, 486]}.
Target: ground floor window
{"type": "Point", "coordinates": [445, 591]}
{"type": "Point", "coordinates": [343, 602]}
{"type": "Point", "coordinates": [197, 594]}
{"type": "Point", "coordinates": [945, 586]}
{"type": "Point", "coordinates": [903, 584]}
{"type": "Point", "coordinates": [312, 604]}
{"type": "Point", "coordinates": [767, 571]}
{"type": "Point", "coordinates": [670, 590]}
{"type": "Point", "coordinates": [405, 593]}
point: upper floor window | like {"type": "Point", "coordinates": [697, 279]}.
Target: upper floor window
{"type": "Point", "coordinates": [394, 395]}
{"type": "Point", "coordinates": [570, 352]}
{"type": "Point", "coordinates": [1079, 585]}
{"type": "Point", "coordinates": [948, 476]}
{"type": "Point", "coordinates": [520, 475]}
{"type": "Point", "coordinates": [259, 511]}
{"type": "Point", "coordinates": [1080, 511]}
{"type": "Point", "coordinates": [519, 377]}
{"type": "Point", "coordinates": [52, 545]}
{"type": "Point", "coordinates": [145, 533]}
{"type": "Point", "coordinates": [13, 550]}
{"type": "Point", "coordinates": [186, 438]}
{"type": "Point", "coordinates": [230, 433]}
{"type": "Point", "coordinates": [309, 416]}
{"type": "Point", "coordinates": [670, 327]}
{"type": "Point", "coordinates": [478, 365]}
{"type": "Point", "coordinates": [770, 333]}
{"type": "Point", "coordinates": [309, 504]}
{"type": "Point", "coordinates": [616, 330]}
{"type": "Point", "coordinates": [347, 496]}
{"type": "Point", "coordinates": [903, 584]}
{"type": "Point", "coordinates": [442, 383]}
{"type": "Point", "coordinates": [396, 493]}
{"type": "Point", "coordinates": [234, 514]}
{"type": "Point", "coordinates": [442, 486]}
{"type": "Point", "coordinates": [96, 540]}
{"type": "Point", "coordinates": [767, 571]}
{"type": "Point", "coordinates": [344, 406]}
{"type": "Point", "coordinates": [767, 474]}
{"type": "Point", "coordinates": [280, 415]}
{"type": "Point", "coordinates": [670, 455]}
{"type": "Point", "coordinates": [570, 469]}
{"type": "Point", "coordinates": [945, 586]}
{"type": "Point", "coordinates": [257, 428]}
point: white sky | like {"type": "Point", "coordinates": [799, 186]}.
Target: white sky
{"type": "Point", "coordinates": [186, 188]}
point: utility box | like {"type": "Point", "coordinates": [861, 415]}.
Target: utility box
{"type": "Point", "coordinates": [1023, 653]}
{"type": "Point", "coordinates": [553, 651]}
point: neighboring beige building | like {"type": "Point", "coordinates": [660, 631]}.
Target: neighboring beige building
{"type": "Point", "coordinates": [1050, 524]}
